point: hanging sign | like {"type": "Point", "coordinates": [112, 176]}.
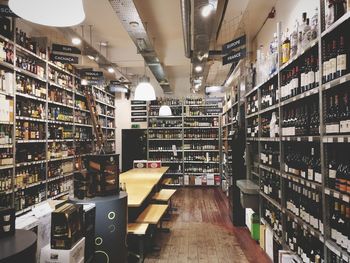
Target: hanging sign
{"type": "Point", "coordinates": [135, 108]}
{"type": "Point", "coordinates": [65, 49]}
{"type": "Point", "coordinates": [139, 113]}
{"type": "Point", "coordinates": [64, 59]}
{"type": "Point", "coordinates": [138, 102]}
{"type": "Point", "coordinates": [236, 43]}
{"type": "Point", "coordinates": [93, 77]}
{"type": "Point", "coordinates": [138, 119]}
{"type": "Point", "coordinates": [234, 56]}
{"type": "Point", "coordinates": [6, 11]}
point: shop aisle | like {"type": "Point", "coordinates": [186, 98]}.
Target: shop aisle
{"type": "Point", "coordinates": [201, 231]}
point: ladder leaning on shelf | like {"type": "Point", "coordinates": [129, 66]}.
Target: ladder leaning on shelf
{"type": "Point", "coordinates": [91, 102]}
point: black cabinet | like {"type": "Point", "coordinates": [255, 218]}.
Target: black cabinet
{"type": "Point", "coordinates": [237, 212]}
{"type": "Point", "coordinates": [134, 147]}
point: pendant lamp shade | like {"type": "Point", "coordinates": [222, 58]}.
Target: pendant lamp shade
{"type": "Point", "coordinates": [165, 110]}
{"type": "Point", "coordinates": [144, 90]}
{"type": "Point", "coordinates": [55, 13]}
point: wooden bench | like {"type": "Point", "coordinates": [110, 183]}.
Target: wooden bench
{"type": "Point", "coordinates": [138, 230]}
{"type": "Point", "coordinates": [164, 195]}
{"type": "Point", "coordinates": [152, 214]}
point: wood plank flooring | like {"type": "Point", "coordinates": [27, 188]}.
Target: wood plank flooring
{"type": "Point", "coordinates": [202, 232]}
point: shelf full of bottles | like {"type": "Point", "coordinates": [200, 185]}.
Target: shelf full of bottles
{"type": "Point", "coordinates": [297, 125]}
{"type": "Point", "coordinates": [45, 125]}
{"type": "Point", "coordinates": [187, 141]}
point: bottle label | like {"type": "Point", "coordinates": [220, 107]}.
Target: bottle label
{"type": "Point", "coordinates": [318, 177]}
{"type": "Point", "coordinates": [302, 79]}
{"type": "Point", "coordinates": [341, 62]}
{"type": "Point", "coordinates": [333, 66]}
{"type": "Point", "coordinates": [311, 77]}
{"type": "Point", "coordinates": [332, 173]}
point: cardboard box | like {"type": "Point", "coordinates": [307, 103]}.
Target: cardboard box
{"type": "Point", "coordinates": [198, 180]}
{"type": "Point", "coordinates": [186, 179]}
{"type": "Point", "coordinates": [73, 255]}
{"type": "Point", "coordinates": [140, 163]}
{"type": "Point", "coordinates": [210, 179]}
{"type": "Point", "coordinates": [154, 164]}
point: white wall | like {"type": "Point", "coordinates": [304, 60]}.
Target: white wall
{"type": "Point", "coordinates": [286, 12]}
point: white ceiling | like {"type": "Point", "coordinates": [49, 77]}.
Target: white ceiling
{"type": "Point", "coordinates": [163, 20]}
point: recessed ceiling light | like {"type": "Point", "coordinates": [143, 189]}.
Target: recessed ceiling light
{"type": "Point", "coordinates": [91, 57]}
{"type": "Point", "coordinates": [104, 44]}
{"type": "Point", "coordinates": [198, 68]}
{"type": "Point", "coordinates": [207, 10]}
{"type": "Point", "coordinates": [134, 24]}
{"type": "Point", "coordinates": [111, 70]}
{"type": "Point", "coordinates": [76, 41]}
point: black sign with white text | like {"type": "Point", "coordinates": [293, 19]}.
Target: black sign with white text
{"type": "Point", "coordinates": [234, 56]}
{"type": "Point", "coordinates": [138, 108]}
{"type": "Point", "coordinates": [64, 59]}
{"type": "Point", "coordinates": [138, 119]}
{"type": "Point", "coordinates": [236, 43]}
{"type": "Point", "coordinates": [66, 49]}
{"type": "Point", "coordinates": [138, 102]}
{"type": "Point", "coordinates": [6, 11]}
{"type": "Point", "coordinates": [139, 113]}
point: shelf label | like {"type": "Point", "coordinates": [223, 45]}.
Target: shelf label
{"type": "Point", "coordinates": [346, 198]}
{"type": "Point", "coordinates": [336, 195]}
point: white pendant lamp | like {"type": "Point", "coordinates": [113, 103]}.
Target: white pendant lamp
{"type": "Point", "coordinates": [165, 110]}
{"type": "Point", "coordinates": [55, 13]}
{"type": "Point", "coordinates": [144, 90]}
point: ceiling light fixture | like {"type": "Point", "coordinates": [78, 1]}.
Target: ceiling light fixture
{"type": "Point", "coordinates": [91, 57]}
{"type": "Point", "coordinates": [144, 90]}
{"type": "Point", "coordinates": [134, 24]}
{"type": "Point", "coordinates": [111, 70]}
{"type": "Point", "coordinates": [76, 41]}
{"type": "Point", "coordinates": [84, 82]}
{"type": "Point", "coordinates": [198, 68]}
{"type": "Point", "coordinates": [49, 13]}
{"type": "Point", "coordinates": [165, 110]}
{"type": "Point", "coordinates": [207, 10]}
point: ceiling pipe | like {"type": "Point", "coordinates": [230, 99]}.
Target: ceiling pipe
{"type": "Point", "coordinates": [186, 25]}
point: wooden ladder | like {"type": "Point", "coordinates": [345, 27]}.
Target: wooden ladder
{"type": "Point", "coordinates": [91, 102]}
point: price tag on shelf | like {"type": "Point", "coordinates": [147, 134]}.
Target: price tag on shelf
{"type": "Point", "coordinates": [298, 139]}
{"type": "Point", "coordinates": [313, 186]}
{"type": "Point", "coordinates": [327, 192]}
{"type": "Point", "coordinates": [345, 258]}
{"type": "Point", "coordinates": [302, 95]}
{"type": "Point", "coordinates": [342, 80]}
{"type": "Point", "coordinates": [327, 86]}
{"type": "Point", "coordinates": [341, 139]}
{"type": "Point", "coordinates": [346, 198]}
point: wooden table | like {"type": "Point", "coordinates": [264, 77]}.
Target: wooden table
{"type": "Point", "coordinates": [140, 182]}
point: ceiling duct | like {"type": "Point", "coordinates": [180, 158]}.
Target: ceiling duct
{"type": "Point", "coordinates": [131, 21]}
{"type": "Point", "coordinates": [205, 32]}
{"type": "Point", "coordinates": [186, 25]}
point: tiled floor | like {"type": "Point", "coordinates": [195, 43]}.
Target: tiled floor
{"type": "Point", "coordinates": [201, 231]}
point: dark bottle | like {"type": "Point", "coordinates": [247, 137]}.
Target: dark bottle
{"type": "Point", "coordinates": [342, 58]}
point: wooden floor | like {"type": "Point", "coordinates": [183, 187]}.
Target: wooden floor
{"type": "Point", "coordinates": [201, 231]}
